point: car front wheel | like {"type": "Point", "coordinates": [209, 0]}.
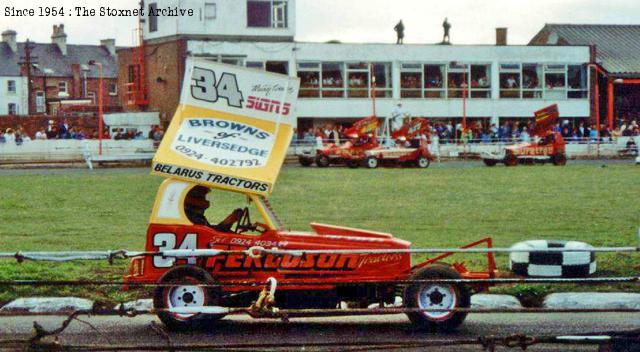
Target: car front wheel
{"type": "Point", "coordinates": [437, 299]}
{"type": "Point", "coordinates": [322, 160]}
{"type": "Point", "coordinates": [372, 162]}
{"type": "Point", "coordinates": [559, 160]}
{"type": "Point", "coordinates": [182, 289]}
{"type": "Point", "coordinates": [423, 162]}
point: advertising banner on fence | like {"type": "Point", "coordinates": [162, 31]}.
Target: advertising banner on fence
{"type": "Point", "coordinates": [232, 128]}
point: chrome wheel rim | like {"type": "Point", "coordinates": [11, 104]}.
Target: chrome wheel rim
{"type": "Point", "coordinates": [437, 297]}
{"type": "Point", "coordinates": [185, 297]}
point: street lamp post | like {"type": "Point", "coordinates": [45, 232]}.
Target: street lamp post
{"type": "Point", "coordinates": [465, 86]}
{"type": "Point", "coordinates": [100, 104]}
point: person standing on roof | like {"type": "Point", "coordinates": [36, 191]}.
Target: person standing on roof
{"type": "Point", "coordinates": [399, 28]}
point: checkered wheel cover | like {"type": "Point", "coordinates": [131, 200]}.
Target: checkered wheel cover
{"type": "Point", "coordinates": [552, 264]}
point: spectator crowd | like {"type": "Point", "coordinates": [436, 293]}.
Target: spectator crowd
{"type": "Point", "coordinates": [477, 132]}
{"type": "Point", "coordinates": [66, 131]}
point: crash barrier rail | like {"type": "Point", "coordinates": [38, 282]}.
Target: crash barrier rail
{"type": "Point", "coordinates": [65, 150]}
{"type": "Point", "coordinates": [620, 141]}
{"type": "Point", "coordinates": [263, 308]}
{"type": "Point", "coordinates": [452, 148]}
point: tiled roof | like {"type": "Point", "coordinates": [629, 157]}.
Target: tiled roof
{"type": "Point", "coordinates": [617, 46]}
{"type": "Point", "coordinates": [50, 57]}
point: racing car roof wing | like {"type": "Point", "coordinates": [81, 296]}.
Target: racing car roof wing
{"type": "Point", "coordinates": [545, 119]}
{"type": "Point", "coordinates": [234, 137]}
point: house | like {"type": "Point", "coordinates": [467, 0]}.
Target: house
{"type": "Point", "coordinates": [13, 86]}
{"type": "Point", "coordinates": [61, 74]}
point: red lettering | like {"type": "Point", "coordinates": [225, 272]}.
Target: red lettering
{"type": "Point", "coordinates": [271, 261]}
{"type": "Point", "coordinates": [327, 261]}
{"type": "Point", "coordinates": [252, 263]}
{"type": "Point", "coordinates": [290, 262]}
{"type": "Point", "coordinates": [234, 261]}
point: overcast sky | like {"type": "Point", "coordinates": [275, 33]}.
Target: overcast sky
{"type": "Point", "coordinates": [474, 21]}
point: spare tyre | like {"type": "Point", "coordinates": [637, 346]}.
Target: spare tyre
{"type": "Point", "coordinates": [552, 264]}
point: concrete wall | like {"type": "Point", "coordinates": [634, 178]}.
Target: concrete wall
{"type": "Point", "coordinates": [67, 150]}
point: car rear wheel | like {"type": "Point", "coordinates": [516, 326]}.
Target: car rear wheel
{"type": "Point", "coordinates": [559, 160]}
{"type": "Point", "coordinates": [437, 296]}
{"type": "Point", "coordinates": [322, 161]}
{"type": "Point", "coordinates": [185, 292]}
{"type": "Point", "coordinates": [305, 161]}
{"type": "Point", "coordinates": [490, 162]}
{"type": "Point", "coordinates": [372, 162]}
{"type": "Point", "coordinates": [510, 160]}
{"type": "Point", "coordinates": [422, 162]}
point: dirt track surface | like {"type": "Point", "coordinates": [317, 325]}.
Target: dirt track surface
{"type": "Point", "coordinates": [392, 328]}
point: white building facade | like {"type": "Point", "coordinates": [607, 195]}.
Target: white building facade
{"type": "Point", "coordinates": [486, 82]}
{"type": "Point", "coordinates": [13, 95]}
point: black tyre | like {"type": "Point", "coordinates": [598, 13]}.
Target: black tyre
{"type": "Point", "coordinates": [305, 161]}
{"type": "Point", "coordinates": [353, 164]}
{"type": "Point", "coordinates": [186, 294]}
{"type": "Point", "coordinates": [490, 162]}
{"type": "Point", "coordinates": [322, 160]}
{"type": "Point", "coordinates": [436, 296]}
{"type": "Point", "coordinates": [559, 160]}
{"type": "Point", "coordinates": [371, 162]}
{"type": "Point", "coordinates": [422, 162]}
{"type": "Point", "coordinates": [510, 160]}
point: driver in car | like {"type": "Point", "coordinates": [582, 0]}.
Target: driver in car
{"type": "Point", "coordinates": [196, 203]}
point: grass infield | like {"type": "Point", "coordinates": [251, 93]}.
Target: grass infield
{"type": "Point", "coordinates": [438, 207]}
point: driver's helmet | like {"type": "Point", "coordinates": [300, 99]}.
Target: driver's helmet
{"type": "Point", "coordinates": [195, 204]}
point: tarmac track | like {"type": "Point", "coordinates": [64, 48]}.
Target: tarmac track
{"type": "Point", "coordinates": [372, 329]}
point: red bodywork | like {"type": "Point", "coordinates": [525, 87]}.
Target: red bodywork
{"type": "Point", "coordinates": [362, 137]}
{"type": "Point", "coordinates": [292, 273]}
{"type": "Point", "coordinates": [547, 145]}
{"type": "Point", "coordinates": [550, 142]}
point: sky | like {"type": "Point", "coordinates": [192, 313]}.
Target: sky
{"type": "Point", "coordinates": [473, 21]}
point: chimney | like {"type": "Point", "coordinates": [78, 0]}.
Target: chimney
{"type": "Point", "coordinates": [110, 45]}
{"type": "Point", "coordinates": [501, 36]}
{"type": "Point", "coordinates": [59, 38]}
{"type": "Point", "coordinates": [9, 37]}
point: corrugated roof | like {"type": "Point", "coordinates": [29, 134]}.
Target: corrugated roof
{"type": "Point", "coordinates": [617, 46]}
{"type": "Point", "coordinates": [50, 57]}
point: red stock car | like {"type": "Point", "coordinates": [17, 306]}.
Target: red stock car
{"type": "Point", "coordinates": [310, 281]}
{"type": "Point", "coordinates": [548, 145]}
{"type": "Point", "coordinates": [362, 137]}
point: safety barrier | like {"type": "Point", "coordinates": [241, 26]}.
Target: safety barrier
{"type": "Point", "coordinates": [575, 148]}
{"type": "Point", "coordinates": [63, 150]}
{"type": "Point", "coordinates": [263, 307]}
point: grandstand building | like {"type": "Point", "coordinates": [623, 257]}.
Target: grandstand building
{"type": "Point", "coordinates": [490, 83]}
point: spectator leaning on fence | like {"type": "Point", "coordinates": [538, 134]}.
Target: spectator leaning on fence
{"type": "Point", "coordinates": [41, 134]}
{"type": "Point", "coordinates": [9, 136]}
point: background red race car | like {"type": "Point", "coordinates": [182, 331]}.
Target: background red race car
{"type": "Point", "coordinates": [548, 145]}
{"type": "Point", "coordinates": [362, 136]}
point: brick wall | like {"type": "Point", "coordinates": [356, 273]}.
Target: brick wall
{"type": "Point", "coordinates": [164, 71]}
{"type": "Point", "coordinates": [74, 89]}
